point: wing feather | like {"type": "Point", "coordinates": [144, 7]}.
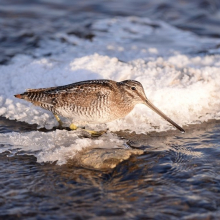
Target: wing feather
{"type": "Point", "coordinates": [84, 97]}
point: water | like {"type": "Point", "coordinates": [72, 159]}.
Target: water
{"type": "Point", "coordinates": [176, 177]}
{"type": "Point", "coordinates": [50, 43]}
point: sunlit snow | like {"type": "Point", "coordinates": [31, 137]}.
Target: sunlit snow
{"type": "Point", "coordinates": [182, 83]}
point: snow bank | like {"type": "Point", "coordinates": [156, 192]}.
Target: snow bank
{"type": "Point", "coordinates": [180, 81]}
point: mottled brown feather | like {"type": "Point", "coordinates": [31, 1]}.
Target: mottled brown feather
{"type": "Point", "coordinates": [92, 101]}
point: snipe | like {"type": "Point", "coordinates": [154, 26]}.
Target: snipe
{"type": "Point", "coordinates": [92, 101]}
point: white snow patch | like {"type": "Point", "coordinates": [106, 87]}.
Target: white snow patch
{"type": "Point", "coordinates": [183, 86]}
{"type": "Point", "coordinates": [59, 145]}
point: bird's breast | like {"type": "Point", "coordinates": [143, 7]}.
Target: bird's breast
{"type": "Point", "coordinates": [101, 108]}
{"type": "Point", "coordinates": [97, 111]}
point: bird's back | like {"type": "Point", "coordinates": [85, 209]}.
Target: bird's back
{"type": "Point", "coordinates": [92, 101]}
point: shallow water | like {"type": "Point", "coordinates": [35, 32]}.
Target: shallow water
{"type": "Point", "coordinates": [177, 177]}
{"type": "Point", "coordinates": [49, 43]}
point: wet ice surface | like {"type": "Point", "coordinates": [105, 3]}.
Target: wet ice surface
{"type": "Point", "coordinates": [59, 145]}
{"type": "Point", "coordinates": [178, 176]}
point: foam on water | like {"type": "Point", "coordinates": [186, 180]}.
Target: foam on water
{"type": "Point", "coordinates": [183, 85]}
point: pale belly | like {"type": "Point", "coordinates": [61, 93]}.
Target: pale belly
{"type": "Point", "coordinates": [87, 115]}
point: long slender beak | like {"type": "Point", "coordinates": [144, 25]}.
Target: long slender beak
{"type": "Point", "coordinates": [150, 105]}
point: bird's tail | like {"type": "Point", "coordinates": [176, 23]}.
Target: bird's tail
{"type": "Point", "coordinates": [19, 96]}
{"type": "Point", "coordinates": [28, 96]}
{"type": "Point", "coordinates": [35, 95]}
{"type": "Point", "coordinates": [38, 98]}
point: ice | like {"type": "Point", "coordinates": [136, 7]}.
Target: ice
{"type": "Point", "coordinates": [177, 78]}
{"type": "Point", "coordinates": [59, 145]}
{"type": "Point", "coordinates": [184, 88]}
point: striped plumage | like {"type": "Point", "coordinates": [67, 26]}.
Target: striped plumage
{"type": "Point", "coordinates": [92, 101]}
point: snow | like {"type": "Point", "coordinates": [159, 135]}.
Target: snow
{"type": "Point", "coordinates": [181, 82]}
{"type": "Point", "coordinates": [59, 145]}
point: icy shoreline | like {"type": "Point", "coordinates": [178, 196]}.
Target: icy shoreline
{"type": "Point", "coordinates": [181, 82]}
{"type": "Point", "coordinates": [186, 89]}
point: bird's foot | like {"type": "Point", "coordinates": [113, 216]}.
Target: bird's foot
{"type": "Point", "coordinates": [73, 127]}
{"type": "Point", "coordinates": [95, 133]}
{"type": "Point", "coordinates": [92, 133]}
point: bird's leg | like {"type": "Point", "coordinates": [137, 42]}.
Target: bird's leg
{"type": "Point", "coordinates": [74, 127]}
{"type": "Point", "coordinates": [59, 121]}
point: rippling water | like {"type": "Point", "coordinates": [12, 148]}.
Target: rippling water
{"type": "Point", "coordinates": [178, 177]}
{"type": "Point", "coordinates": [22, 29]}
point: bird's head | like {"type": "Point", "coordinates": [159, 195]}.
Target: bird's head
{"type": "Point", "coordinates": [134, 93]}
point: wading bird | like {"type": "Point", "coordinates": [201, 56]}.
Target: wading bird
{"type": "Point", "coordinates": [92, 101]}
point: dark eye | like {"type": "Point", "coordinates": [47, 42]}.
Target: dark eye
{"type": "Point", "coordinates": [133, 88]}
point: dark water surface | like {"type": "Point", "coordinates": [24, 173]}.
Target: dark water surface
{"type": "Point", "coordinates": [24, 23]}
{"type": "Point", "coordinates": [178, 177]}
